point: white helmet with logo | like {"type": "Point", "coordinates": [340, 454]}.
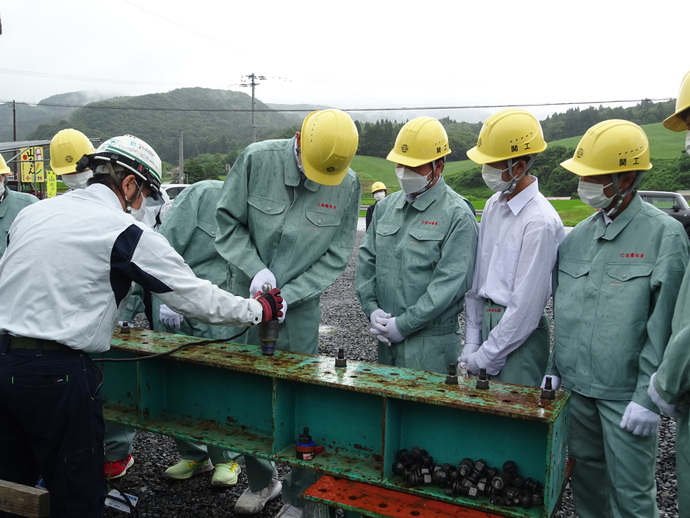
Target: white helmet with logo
{"type": "Point", "coordinates": [131, 153]}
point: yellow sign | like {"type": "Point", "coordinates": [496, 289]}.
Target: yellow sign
{"type": "Point", "coordinates": [31, 165]}
{"type": "Point", "coordinates": [39, 169]}
{"type": "Point", "coordinates": [51, 184]}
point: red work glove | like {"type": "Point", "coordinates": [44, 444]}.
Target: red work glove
{"type": "Point", "coordinates": [272, 303]}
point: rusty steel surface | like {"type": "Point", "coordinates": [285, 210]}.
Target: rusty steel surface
{"type": "Point", "coordinates": [375, 501]}
{"type": "Point", "coordinates": [231, 396]}
{"type": "Point", "coordinates": [409, 384]}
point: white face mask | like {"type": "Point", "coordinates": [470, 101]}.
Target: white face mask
{"type": "Point", "coordinates": [147, 211]}
{"type": "Point", "coordinates": [411, 182]}
{"type": "Point", "coordinates": [492, 177]}
{"type": "Point", "coordinates": [2, 186]}
{"type": "Point", "coordinates": [593, 194]}
{"type": "Point", "coordinates": [379, 195]}
{"type": "Point", "coordinates": [76, 180]}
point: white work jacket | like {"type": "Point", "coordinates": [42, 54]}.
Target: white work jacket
{"type": "Point", "coordinates": [69, 267]}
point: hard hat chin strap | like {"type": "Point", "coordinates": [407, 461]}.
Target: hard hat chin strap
{"type": "Point", "coordinates": [620, 195]}
{"type": "Point", "coordinates": [516, 179]}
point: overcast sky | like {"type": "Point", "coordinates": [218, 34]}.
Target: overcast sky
{"type": "Point", "coordinates": [353, 54]}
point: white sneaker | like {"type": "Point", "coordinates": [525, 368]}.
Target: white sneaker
{"type": "Point", "coordinates": [290, 511]}
{"type": "Point", "coordinates": [252, 503]}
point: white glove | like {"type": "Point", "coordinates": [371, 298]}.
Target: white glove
{"type": "Point", "coordinates": [284, 310]}
{"type": "Point", "coordinates": [264, 276]}
{"type": "Point", "coordinates": [666, 408]}
{"type": "Point", "coordinates": [640, 421]}
{"type": "Point", "coordinates": [391, 330]}
{"type": "Point", "coordinates": [474, 364]}
{"type": "Point", "coordinates": [555, 381]}
{"type": "Point", "coordinates": [464, 355]}
{"type": "Point", "coordinates": [169, 318]}
{"type": "Point", "coordinates": [374, 319]}
{"type": "Point", "coordinates": [379, 336]}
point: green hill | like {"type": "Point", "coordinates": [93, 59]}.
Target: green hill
{"type": "Point", "coordinates": [214, 121]}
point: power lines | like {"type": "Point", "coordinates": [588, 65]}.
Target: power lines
{"type": "Point", "coordinates": [308, 109]}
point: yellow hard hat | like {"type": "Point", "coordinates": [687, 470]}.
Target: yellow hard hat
{"type": "Point", "coordinates": [328, 142]}
{"type": "Point", "coordinates": [4, 169]}
{"type": "Point", "coordinates": [378, 186]}
{"type": "Point", "coordinates": [612, 146]}
{"type": "Point", "coordinates": [66, 148]}
{"type": "Point", "coordinates": [508, 134]}
{"type": "Point", "coordinates": [420, 141]}
{"type": "Point", "coordinates": [675, 122]}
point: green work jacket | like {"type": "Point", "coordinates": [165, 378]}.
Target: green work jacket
{"type": "Point", "coordinates": [270, 216]}
{"type": "Point", "coordinates": [417, 258]}
{"type": "Point", "coordinates": [9, 208]}
{"type": "Point", "coordinates": [615, 288]}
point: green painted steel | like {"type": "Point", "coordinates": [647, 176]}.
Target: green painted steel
{"type": "Point", "coordinates": [231, 396]}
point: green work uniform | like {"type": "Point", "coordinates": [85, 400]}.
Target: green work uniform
{"type": "Point", "coordinates": [10, 206]}
{"type": "Point", "coordinates": [416, 263]}
{"type": "Point", "coordinates": [190, 227]}
{"type": "Point", "coordinates": [615, 289]}
{"type": "Point", "coordinates": [271, 216]}
{"type": "Point", "coordinates": [672, 383]}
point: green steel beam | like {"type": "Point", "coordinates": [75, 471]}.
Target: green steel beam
{"type": "Point", "coordinates": [231, 396]}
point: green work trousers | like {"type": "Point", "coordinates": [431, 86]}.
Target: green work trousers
{"type": "Point", "coordinates": [614, 469]}
{"type": "Point", "coordinates": [525, 365]}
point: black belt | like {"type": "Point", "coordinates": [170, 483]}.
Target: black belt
{"type": "Point", "coordinates": [21, 342]}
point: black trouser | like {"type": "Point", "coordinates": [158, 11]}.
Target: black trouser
{"type": "Point", "coordinates": [51, 425]}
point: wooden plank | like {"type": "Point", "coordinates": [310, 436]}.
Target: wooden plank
{"type": "Point", "coordinates": [32, 502]}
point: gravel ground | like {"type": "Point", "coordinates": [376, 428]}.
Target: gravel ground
{"type": "Point", "coordinates": [343, 325]}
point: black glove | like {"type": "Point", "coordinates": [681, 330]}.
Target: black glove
{"type": "Point", "coordinates": [272, 303]}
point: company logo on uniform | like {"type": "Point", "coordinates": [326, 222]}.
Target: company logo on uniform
{"type": "Point", "coordinates": [330, 169]}
{"type": "Point", "coordinates": [494, 310]}
{"type": "Point", "coordinates": [404, 148]}
{"type": "Point", "coordinates": [632, 255]}
{"type": "Point", "coordinates": [326, 205]}
{"type": "Point", "coordinates": [69, 159]}
{"type": "Point", "coordinates": [425, 222]}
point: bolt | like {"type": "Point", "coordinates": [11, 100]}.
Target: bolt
{"type": "Point", "coordinates": [340, 361]}
{"type": "Point", "coordinates": [482, 380]}
{"type": "Point", "coordinates": [548, 392]}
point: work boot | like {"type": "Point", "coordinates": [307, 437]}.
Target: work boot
{"type": "Point", "coordinates": [252, 503]}
{"type": "Point", "coordinates": [225, 474]}
{"type": "Point", "coordinates": [187, 468]}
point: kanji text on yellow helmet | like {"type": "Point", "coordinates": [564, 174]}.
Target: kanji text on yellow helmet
{"type": "Point", "coordinates": [4, 169]}
{"type": "Point", "coordinates": [675, 122]}
{"type": "Point", "coordinates": [378, 186]}
{"type": "Point", "coordinates": [66, 148]}
{"type": "Point", "coordinates": [328, 142]}
{"type": "Point", "coordinates": [612, 146]}
{"type": "Point", "coordinates": [508, 134]}
{"type": "Point", "coordinates": [420, 141]}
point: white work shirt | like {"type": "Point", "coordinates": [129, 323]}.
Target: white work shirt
{"type": "Point", "coordinates": [518, 243]}
{"type": "Point", "coordinates": [69, 267]}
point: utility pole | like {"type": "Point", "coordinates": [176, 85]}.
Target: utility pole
{"type": "Point", "coordinates": [14, 137]}
{"type": "Point", "coordinates": [180, 174]}
{"type": "Point", "coordinates": [252, 78]}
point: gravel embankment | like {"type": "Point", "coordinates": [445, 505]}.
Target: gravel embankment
{"type": "Point", "coordinates": [343, 325]}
